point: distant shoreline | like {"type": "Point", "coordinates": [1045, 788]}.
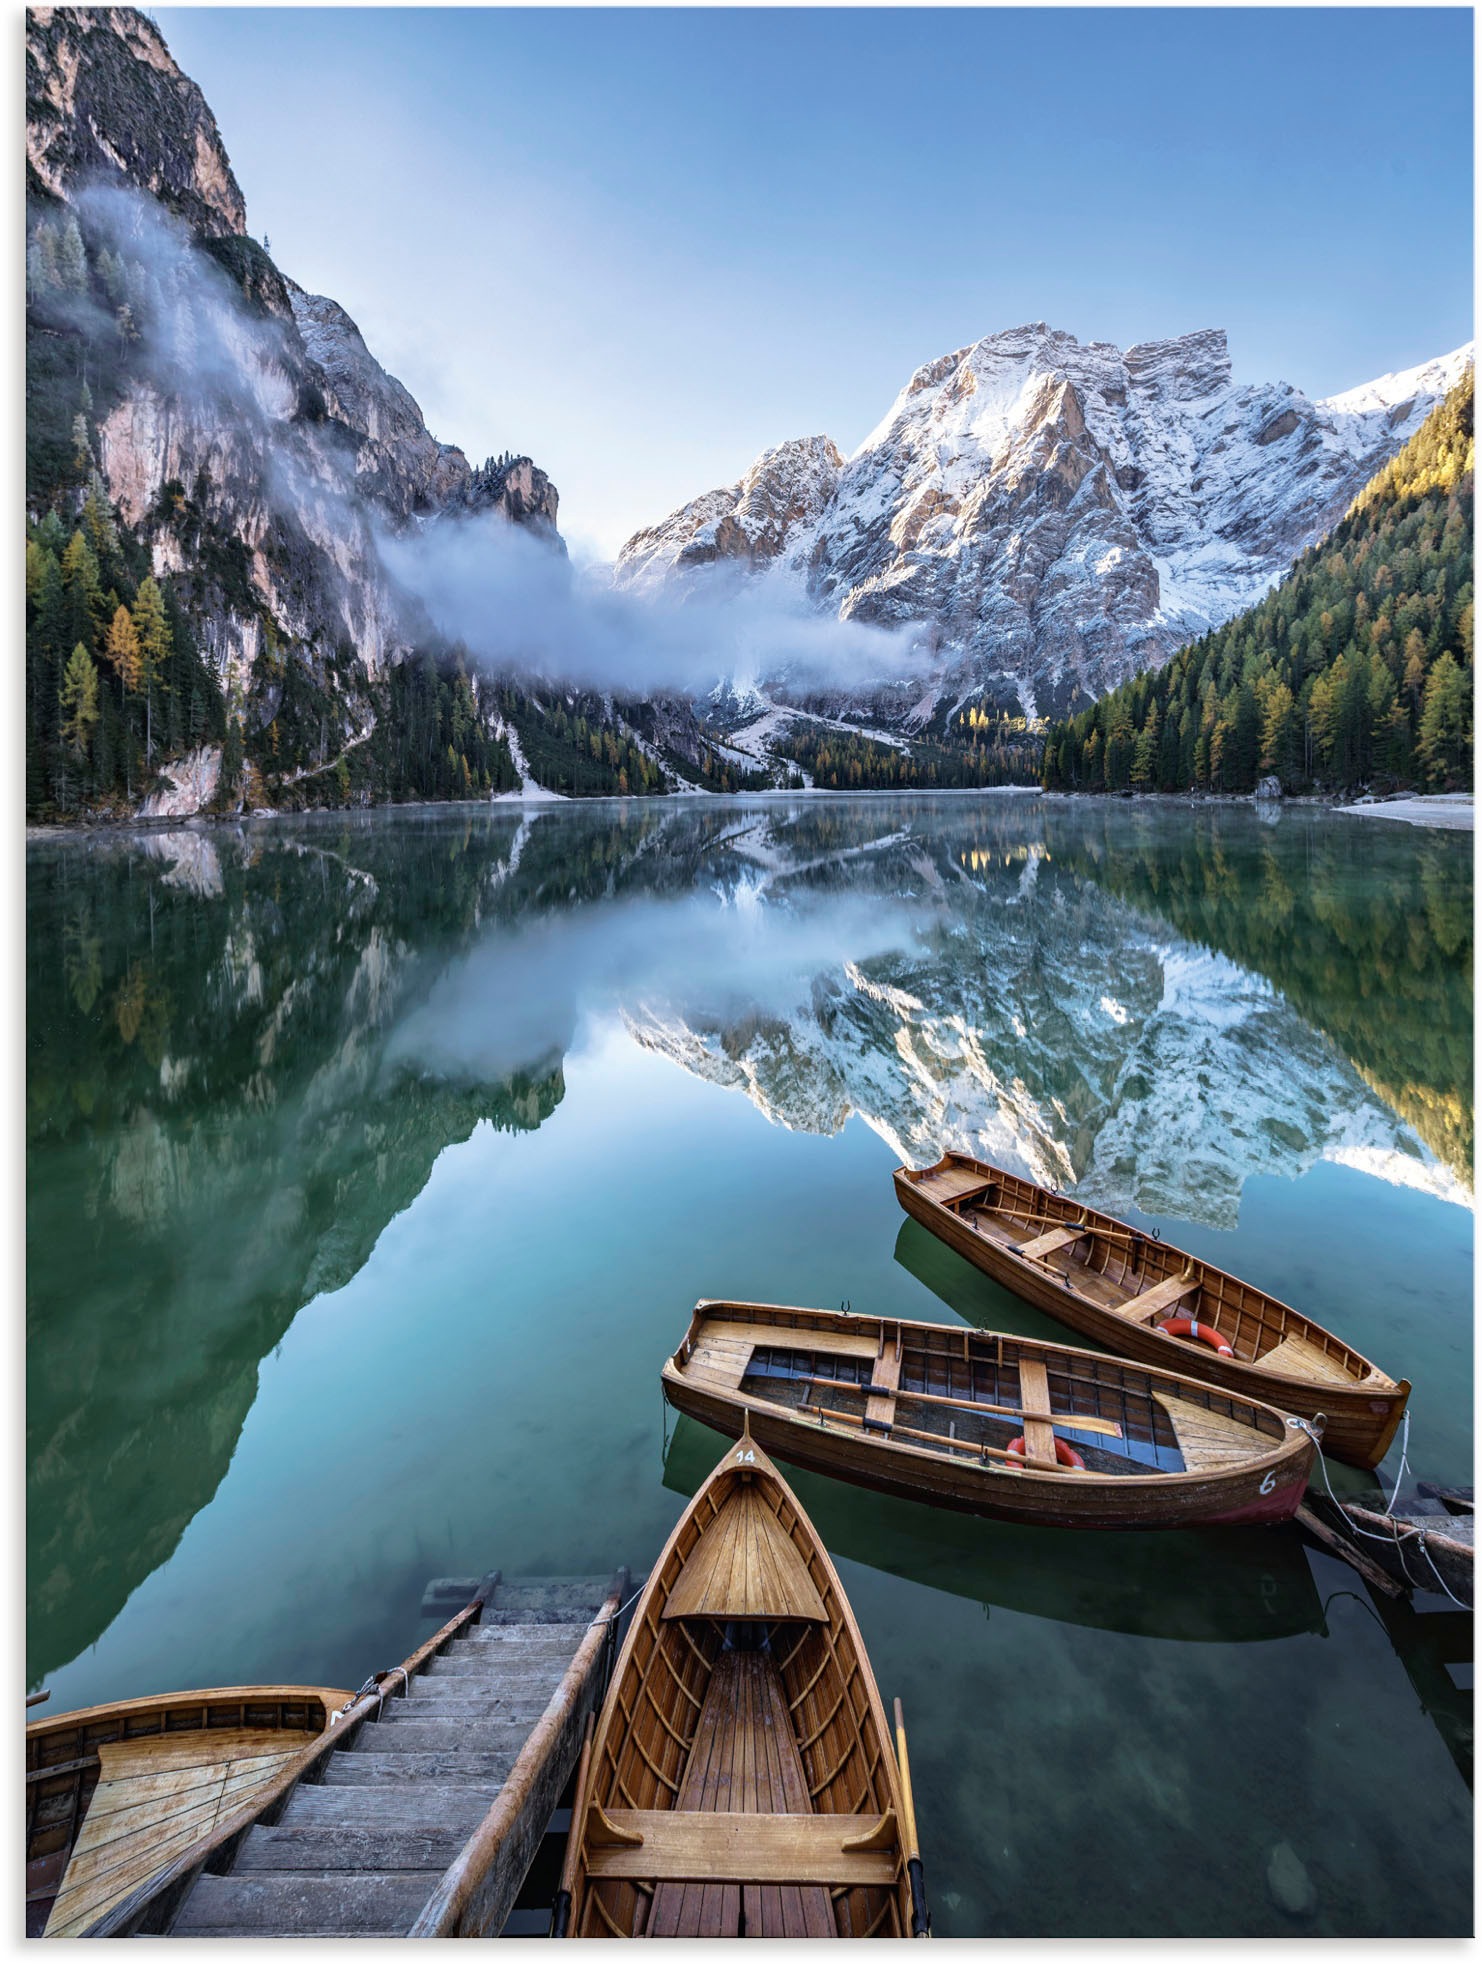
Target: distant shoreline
{"type": "Point", "coordinates": [1448, 811]}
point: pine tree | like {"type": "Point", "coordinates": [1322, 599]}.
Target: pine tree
{"type": "Point", "coordinates": [155, 649]}
{"type": "Point", "coordinates": [97, 521]}
{"type": "Point", "coordinates": [1329, 676]}
{"type": "Point", "coordinates": [123, 650]}
{"type": "Point", "coordinates": [72, 257]}
{"type": "Point", "coordinates": [79, 700]}
{"type": "Point", "coordinates": [82, 592]}
{"type": "Point", "coordinates": [42, 271]}
{"type": "Point", "coordinates": [1445, 721]}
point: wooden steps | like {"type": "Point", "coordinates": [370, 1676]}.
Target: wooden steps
{"type": "Point", "coordinates": [362, 1850]}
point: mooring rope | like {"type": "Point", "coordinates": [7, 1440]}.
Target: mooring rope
{"type": "Point", "coordinates": [619, 1610]}
{"type": "Point", "coordinates": [1394, 1492]}
{"type": "Point", "coordinates": [386, 1677]}
{"type": "Point", "coordinates": [1392, 1540]}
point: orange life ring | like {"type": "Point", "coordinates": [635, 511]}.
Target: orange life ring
{"type": "Point", "coordinates": [1185, 1326]}
{"type": "Point", "coordinates": [1065, 1455]}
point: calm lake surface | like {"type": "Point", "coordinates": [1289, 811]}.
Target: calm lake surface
{"type": "Point", "coordinates": [376, 1162]}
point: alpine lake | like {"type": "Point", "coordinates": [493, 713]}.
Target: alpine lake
{"type": "Point", "coordinates": [377, 1160]}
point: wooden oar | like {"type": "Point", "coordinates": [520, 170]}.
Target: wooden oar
{"type": "Point", "coordinates": [1072, 1419]}
{"type": "Point", "coordinates": [1052, 1221]}
{"type": "Point", "coordinates": [952, 1445]}
{"type": "Point", "coordinates": [920, 1915]}
{"type": "Point", "coordinates": [561, 1909]}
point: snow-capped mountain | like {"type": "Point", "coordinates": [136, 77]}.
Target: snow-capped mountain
{"type": "Point", "coordinates": [1059, 516]}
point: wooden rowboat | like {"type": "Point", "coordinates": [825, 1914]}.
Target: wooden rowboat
{"type": "Point", "coordinates": [968, 1419]}
{"type": "Point", "coordinates": [742, 1780]}
{"type": "Point", "coordinates": [116, 1792]}
{"type": "Point", "coordinates": [1195, 1586]}
{"type": "Point", "coordinates": [1122, 1287]}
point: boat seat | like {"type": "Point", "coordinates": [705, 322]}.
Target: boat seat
{"type": "Point", "coordinates": [744, 1760]}
{"type": "Point", "coordinates": [879, 1411]}
{"type": "Point", "coordinates": [1046, 1244]}
{"type": "Point", "coordinates": [1162, 1295]}
{"type": "Point", "coordinates": [1034, 1398]}
{"type": "Point", "coordinates": [678, 1845]}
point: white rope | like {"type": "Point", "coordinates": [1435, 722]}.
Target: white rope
{"type": "Point", "coordinates": [1392, 1539]}
{"type": "Point", "coordinates": [1435, 1571]}
{"type": "Point", "coordinates": [619, 1610]}
{"type": "Point", "coordinates": [386, 1678]}
{"type": "Point", "coordinates": [1394, 1492]}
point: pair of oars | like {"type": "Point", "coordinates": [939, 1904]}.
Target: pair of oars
{"type": "Point", "coordinates": [897, 1429]}
{"type": "Point", "coordinates": [1073, 1419]}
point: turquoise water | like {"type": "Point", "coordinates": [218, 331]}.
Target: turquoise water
{"type": "Point", "coordinates": [375, 1164]}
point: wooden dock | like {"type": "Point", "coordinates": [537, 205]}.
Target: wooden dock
{"type": "Point", "coordinates": [426, 1803]}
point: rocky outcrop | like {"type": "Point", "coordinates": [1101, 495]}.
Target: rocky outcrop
{"type": "Point", "coordinates": [241, 426]}
{"type": "Point", "coordinates": [106, 103]}
{"type": "Point", "coordinates": [786, 491]}
{"type": "Point", "coordinates": [514, 487]}
{"type": "Point", "coordinates": [189, 785]}
{"type": "Point", "coordinates": [399, 464]}
{"type": "Point", "coordinates": [1059, 515]}
{"type": "Point", "coordinates": [398, 461]}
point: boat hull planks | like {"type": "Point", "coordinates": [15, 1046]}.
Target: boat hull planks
{"type": "Point", "coordinates": [993, 1219]}
{"type": "Point", "coordinates": [1210, 1459]}
{"type": "Point", "coordinates": [742, 1779]}
{"type": "Point", "coordinates": [116, 1792]}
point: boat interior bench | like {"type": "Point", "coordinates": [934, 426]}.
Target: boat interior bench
{"type": "Point", "coordinates": [678, 1846]}
{"type": "Point", "coordinates": [879, 1411]}
{"type": "Point", "coordinates": [1034, 1396]}
{"type": "Point", "coordinates": [706, 1885]}
{"type": "Point", "coordinates": [1162, 1295]}
{"type": "Point", "coordinates": [1046, 1244]}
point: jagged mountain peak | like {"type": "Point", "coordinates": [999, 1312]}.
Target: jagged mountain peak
{"type": "Point", "coordinates": [105, 102]}
{"type": "Point", "coordinates": [1396, 394]}
{"type": "Point", "coordinates": [1062, 514]}
{"type": "Point", "coordinates": [751, 521]}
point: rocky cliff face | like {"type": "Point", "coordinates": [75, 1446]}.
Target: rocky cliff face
{"type": "Point", "coordinates": [241, 426]}
{"type": "Point", "coordinates": [106, 103]}
{"type": "Point", "coordinates": [1059, 516]}
{"type": "Point", "coordinates": [786, 491]}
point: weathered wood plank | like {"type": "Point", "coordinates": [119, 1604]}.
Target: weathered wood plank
{"type": "Point", "coordinates": [411, 1735]}
{"type": "Point", "coordinates": [527, 1638]}
{"type": "Point", "coordinates": [683, 1846]}
{"type": "Point", "coordinates": [350, 1849]}
{"type": "Point", "coordinates": [416, 1804]}
{"type": "Point", "coordinates": [524, 1701]}
{"type": "Point", "coordinates": [302, 1905]}
{"type": "Point", "coordinates": [455, 1769]}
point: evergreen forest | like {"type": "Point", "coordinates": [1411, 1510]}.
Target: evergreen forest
{"type": "Point", "coordinates": [1355, 671]}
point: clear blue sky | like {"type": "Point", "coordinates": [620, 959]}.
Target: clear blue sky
{"type": "Point", "coordinates": [643, 245]}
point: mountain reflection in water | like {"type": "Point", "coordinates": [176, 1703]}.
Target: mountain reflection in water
{"type": "Point", "coordinates": [247, 1049]}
